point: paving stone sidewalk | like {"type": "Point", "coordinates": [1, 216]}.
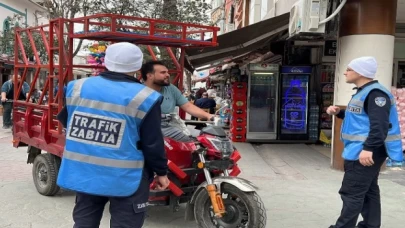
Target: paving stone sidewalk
{"type": "Point", "coordinates": [296, 184]}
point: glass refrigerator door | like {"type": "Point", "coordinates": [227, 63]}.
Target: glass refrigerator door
{"type": "Point", "coordinates": [294, 104]}
{"type": "Point", "coordinates": [263, 102]}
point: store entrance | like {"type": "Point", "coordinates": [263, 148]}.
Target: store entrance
{"type": "Point", "coordinates": [398, 79]}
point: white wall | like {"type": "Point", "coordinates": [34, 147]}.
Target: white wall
{"type": "Point", "coordinates": [221, 25]}
{"type": "Point", "coordinates": [8, 8]}
{"type": "Point", "coordinates": [255, 11]}
{"type": "Point", "coordinates": [217, 3]}
{"type": "Point", "coordinates": [264, 9]}
{"type": "Point", "coordinates": [266, 5]}
{"type": "Point", "coordinates": [283, 6]}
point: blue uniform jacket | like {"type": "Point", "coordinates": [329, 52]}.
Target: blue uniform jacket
{"type": "Point", "coordinates": [151, 142]}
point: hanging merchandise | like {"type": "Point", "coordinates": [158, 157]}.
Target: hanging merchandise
{"type": "Point", "coordinates": [327, 94]}
{"type": "Point", "coordinates": [399, 94]}
{"type": "Point", "coordinates": [224, 113]}
{"type": "Point", "coordinates": [96, 56]}
{"type": "Point", "coordinates": [313, 118]}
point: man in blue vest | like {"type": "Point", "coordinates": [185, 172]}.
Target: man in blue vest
{"type": "Point", "coordinates": [114, 144]}
{"type": "Point", "coordinates": [370, 132]}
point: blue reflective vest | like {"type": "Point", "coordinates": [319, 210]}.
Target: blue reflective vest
{"type": "Point", "coordinates": [101, 156]}
{"type": "Point", "coordinates": [356, 126]}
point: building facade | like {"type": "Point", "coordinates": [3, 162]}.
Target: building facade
{"type": "Point", "coordinates": [218, 14]}
{"type": "Point", "coordinates": [31, 11]}
{"type": "Point", "coordinates": [235, 14]}
{"type": "Point", "coordinates": [353, 32]}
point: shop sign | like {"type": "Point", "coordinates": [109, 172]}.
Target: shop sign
{"type": "Point", "coordinates": [263, 66]}
{"type": "Point", "coordinates": [296, 70]}
{"type": "Point", "coordinates": [330, 48]}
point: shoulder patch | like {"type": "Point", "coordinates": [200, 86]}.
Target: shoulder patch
{"type": "Point", "coordinates": [380, 101]}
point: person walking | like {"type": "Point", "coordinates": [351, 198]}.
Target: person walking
{"type": "Point", "coordinates": [370, 132]}
{"type": "Point", "coordinates": [206, 102]}
{"type": "Point", "coordinates": [114, 144]}
{"type": "Point", "coordinates": [7, 97]}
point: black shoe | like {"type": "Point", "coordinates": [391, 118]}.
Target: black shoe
{"type": "Point", "coordinates": [6, 127]}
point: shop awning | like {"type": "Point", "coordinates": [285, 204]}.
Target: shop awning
{"type": "Point", "coordinates": [240, 41]}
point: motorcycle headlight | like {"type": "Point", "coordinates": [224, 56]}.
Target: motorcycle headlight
{"type": "Point", "coordinates": [224, 146]}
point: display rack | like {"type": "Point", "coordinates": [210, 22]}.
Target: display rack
{"type": "Point", "coordinates": [327, 93]}
{"type": "Point", "coordinates": [239, 112]}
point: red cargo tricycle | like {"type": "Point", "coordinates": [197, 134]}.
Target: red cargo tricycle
{"type": "Point", "coordinates": [202, 167]}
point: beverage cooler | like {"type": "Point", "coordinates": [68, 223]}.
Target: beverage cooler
{"type": "Point", "coordinates": [294, 111]}
{"type": "Point", "coordinates": [262, 102]}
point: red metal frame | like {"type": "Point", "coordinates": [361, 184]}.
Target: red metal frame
{"type": "Point", "coordinates": [178, 33]}
{"type": "Point", "coordinates": [35, 124]}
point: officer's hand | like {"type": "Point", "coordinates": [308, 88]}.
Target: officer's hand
{"type": "Point", "coordinates": [3, 99]}
{"type": "Point", "coordinates": [333, 110]}
{"type": "Point", "coordinates": [366, 158]}
{"type": "Point", "coordinates": [162, 182]}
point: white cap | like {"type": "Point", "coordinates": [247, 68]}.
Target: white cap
{"type": "Point", "coordinates": [365, 66]}
{"type": "Point", "coordinates": [123, 57]}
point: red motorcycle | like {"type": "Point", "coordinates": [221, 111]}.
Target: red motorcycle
{"type": "Point", "coordinates": [203, 173]}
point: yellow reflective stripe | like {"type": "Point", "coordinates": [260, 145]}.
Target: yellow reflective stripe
{"type": "Point", "coordinates": [109, 107]}
{"type": "Point", "coordinates": [362, 138]}
{"type": "Point", "coordinates": [102, 161]}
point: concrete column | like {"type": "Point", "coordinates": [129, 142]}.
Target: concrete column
{"type": "Point", "coordinates": [367, 28]}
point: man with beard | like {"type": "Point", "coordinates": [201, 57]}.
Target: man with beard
{"type": "Point", "coordinates": [156, 76]}
{"type": "Point", "coordinates": [7, 93]}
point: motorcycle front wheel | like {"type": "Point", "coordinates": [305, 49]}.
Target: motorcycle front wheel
{"type": "Point", "coordinates": [243, 209]}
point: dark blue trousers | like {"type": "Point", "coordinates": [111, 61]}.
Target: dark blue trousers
{"type": "Point", "coordinates": [360, 194]}
{"type": "Point", "coordinates": [126, 212]}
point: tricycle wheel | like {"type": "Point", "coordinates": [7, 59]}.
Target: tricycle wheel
{"type": "Point", "coordinates": [243, 209]}
{"type": "Point", "coordinates": [45, 173]}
